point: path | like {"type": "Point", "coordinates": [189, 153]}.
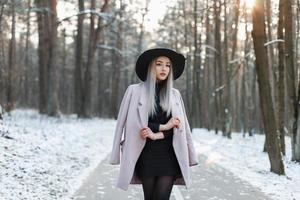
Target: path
{"type": "Point", "coordinates": [209, 182]}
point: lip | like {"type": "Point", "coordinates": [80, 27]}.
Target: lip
{"type": "Point", "coordinates": [163, 74]}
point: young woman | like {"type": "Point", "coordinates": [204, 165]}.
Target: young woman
{"type": "Point", "coordinates": [157, 149]}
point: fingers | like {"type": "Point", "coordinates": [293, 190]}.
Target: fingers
{"type": "Point", "coordinates": [144, 133]}
{"type": "Point", "coordinates": [176, 122]}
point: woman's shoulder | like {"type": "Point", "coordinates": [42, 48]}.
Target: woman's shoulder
{"type": "Point", "coordinates": [134, 86]}
{"type": "Point", "coordinates": [176, 91]}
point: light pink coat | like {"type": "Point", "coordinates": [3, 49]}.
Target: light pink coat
{"type": "Point", "coordinates": [132, 117]}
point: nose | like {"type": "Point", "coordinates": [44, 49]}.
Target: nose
{"type": "Point", "coordinates": [164, 66]}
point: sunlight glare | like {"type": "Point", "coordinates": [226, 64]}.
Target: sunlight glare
{"type": "Point", "coordinates": [249, 3]}
{"type": "Point", "coordinates": [157, 10]}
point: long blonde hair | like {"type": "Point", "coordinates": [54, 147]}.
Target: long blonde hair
{"type": "Point", "coordinates": [164, 93]}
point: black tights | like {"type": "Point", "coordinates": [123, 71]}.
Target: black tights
{"type": "Point", "coordinates": [157, 187]}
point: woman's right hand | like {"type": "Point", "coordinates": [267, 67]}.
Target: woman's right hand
{"type": "Point", "coordinates": [173, 122]}
{"type": "Point", "coordinates": [147, 132]}
{"type": "Point", "coordinates": [144, 133]}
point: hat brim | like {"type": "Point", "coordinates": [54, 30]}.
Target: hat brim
{"type": "Point", "coordinates": [143, 61]}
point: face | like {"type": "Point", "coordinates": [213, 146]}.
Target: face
{"type": "Point", "coordinates": [162, 68]}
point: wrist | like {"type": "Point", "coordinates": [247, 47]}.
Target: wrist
{"type": "Point", "coordinates": [164, 127]}
{"type": "Point", "coordinates": [154, 137]}
{"type": "Point", "coordinates": [160, 135]}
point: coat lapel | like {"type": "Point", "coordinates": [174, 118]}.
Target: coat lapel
{"type": "Point", "coordinates": [142, 106]}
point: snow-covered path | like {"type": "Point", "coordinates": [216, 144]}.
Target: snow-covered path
{"type": "Point", "coordinates": [208, 182]}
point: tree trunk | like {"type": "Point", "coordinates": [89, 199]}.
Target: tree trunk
{"type": "Point", "coordinates": [196, 71]}
{"type": "Point", "coordinates": [47, 51]}
{"type": "Point", "coordinates": [78, 82]}
{"type": "Point", "coordinates": [93, 40]}
{"type": "Point", "coordinates": [42, 56]}
{"type": "Point", "coordinates": [12, 71]}
{"type": "Point", "coordinates": [270, 47]}
{"type": "Point", "coordinates": [101, 81]}
{"type": "Point", "coordinates": [235, 87]}
{"type": "Point", "coordinates": [63, 92]}
{"type": "Point", "coordinates": [204, 101]}
{"type": "Point", "coordinates": [2, 58]}
{"type": "Point", "coordinates": [118, 65]}
{"type": "Point", "coordinates": [87, 92]}
{"type": "Point", "coordinates": [226, 111]}
{"type": "Point", "coordinates": [140, 38]}
{"type": "Point", "coordinates": [53, 105]}
{"type": "Point", "coordinates": [262, 69]}
{"type": "Point", "coordinates": [280, 84]}
{"type": "Point", "coordinates": [291, 78]}
{"type": "Point", "coordinates": [28, 60]}
{"type": "Point", "coordinates": [218, 65]}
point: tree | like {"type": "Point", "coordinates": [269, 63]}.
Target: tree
{"type": "Point", "coordinates": [28, 59]}
{"type": "Point", "coordinates": [47, 51]}
{"type": "Point", "coordinates": [262, 69]}
{"type": "Point", "coordinates": [280, 84]}
{"type": "Point", "coordinates": [218, 66]}
{"type": "Point", "coordinates": [12, 73]}
{"type": "Point", "coordinates": [83, 77]}
{"type": "Point", "coordinates": [117, 60]}
{"type": "Point", "coordinates": [291, 80]}
{"type": "Point", "coordinates": [78, 82]}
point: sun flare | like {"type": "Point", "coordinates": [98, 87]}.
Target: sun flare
{"type": "Point", "coordinates": [248, 3]}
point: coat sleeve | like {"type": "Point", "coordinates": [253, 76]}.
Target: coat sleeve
{"type": "Point", "coordinates": [121, 119]}
{"type": "Point", "coordinates": [193, 160]}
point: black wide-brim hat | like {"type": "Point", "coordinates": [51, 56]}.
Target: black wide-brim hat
{"type": "Point", "coordinates": [143, 61]}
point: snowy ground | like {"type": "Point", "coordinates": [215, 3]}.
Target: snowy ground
{"type": "Point", "coordinates": [243, 156]}
{"type": "Point", "coordinates": [49, 158]}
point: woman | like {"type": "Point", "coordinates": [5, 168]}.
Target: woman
{"type": "Point", "coordinates": [157, 148]}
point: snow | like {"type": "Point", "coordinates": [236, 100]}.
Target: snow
{"type": "Point", "coordinates": [243, 156]}
{"type": "Point", "coordinates": [49, 158]}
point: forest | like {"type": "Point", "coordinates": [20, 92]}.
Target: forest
{"type": "Point", "coordinates": [77, 57]}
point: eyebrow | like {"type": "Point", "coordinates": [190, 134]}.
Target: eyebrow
{"type": "Point", "coordinates": [161, 61]}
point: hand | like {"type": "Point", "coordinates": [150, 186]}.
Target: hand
{"type": "Point", "coordinates": [173, 122]}
{"type": "Point", "coordinates": [147, 132]}
{"type": "Point", "coordinates": [143, 133]}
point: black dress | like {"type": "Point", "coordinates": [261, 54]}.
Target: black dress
{"type": "Point", "coordinates": [158, 157]}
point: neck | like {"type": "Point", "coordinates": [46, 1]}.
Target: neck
{"type": "Point", "coordinates": [159, 82]}
{"type": "Point", "coordinates": [157, 86]}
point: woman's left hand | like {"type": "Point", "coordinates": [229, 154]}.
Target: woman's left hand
{"type": "Point", "coordinates": [147, 132]}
